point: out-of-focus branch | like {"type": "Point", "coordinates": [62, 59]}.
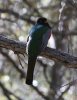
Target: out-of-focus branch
{"type": "Point", "coordinates": [66, 90]}
{"type": "Point", "coordinates": [30, 5]}
{"type": "Point", "coordinates": [7, 19]}
{"type": "Point", "coordinates": [7, 92]}
{"type": "Point", "coordinates": [65, 33]}
{"type": "Point", "coordinates": [72, 3]}
{"type": "Point", "coordinates": [44, 70]}
{"type": "Point", "coordinates": [53, 54]}
{"type": "Point", "coordinates": [23, 74]}
{"type": "Point", "coordinates": [17, 15]}
{"type": "Point", "coordinates": [40, 93]}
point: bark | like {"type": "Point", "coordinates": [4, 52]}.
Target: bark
{"type": "Point", "coordinates": [53, 54]}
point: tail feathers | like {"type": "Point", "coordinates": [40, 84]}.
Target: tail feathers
{"type": "Point", "coordinates": [30, 70]}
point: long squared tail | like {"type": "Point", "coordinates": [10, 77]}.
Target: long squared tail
{"type": "Point", "coordinates": [30, 70]}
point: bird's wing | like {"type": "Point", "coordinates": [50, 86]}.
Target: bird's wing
{"type": "Point", "coordinates": [29, 38]}
{"type": "Point", "coordinates": [45, 39]}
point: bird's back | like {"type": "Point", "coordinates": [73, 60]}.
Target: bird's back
{"type": "Point", "coordinates": [36, 34]}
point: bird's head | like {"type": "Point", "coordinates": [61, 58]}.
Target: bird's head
{"type": "Point", "coordinates": [43, 21]}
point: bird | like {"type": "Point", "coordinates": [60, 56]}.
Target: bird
{"type": "Point", "coordinates": [36, 43]}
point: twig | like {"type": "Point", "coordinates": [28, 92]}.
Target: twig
{"type": "Point", "coordinates": [20, 61]}
{"type": "Point", "coordinates": [70, 83]}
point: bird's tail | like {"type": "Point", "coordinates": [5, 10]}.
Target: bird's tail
{"type": "Point", "coordinates": [30, 70]}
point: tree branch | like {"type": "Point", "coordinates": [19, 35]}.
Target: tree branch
{"type": "Point", "coordinates": [53, 54]}
{"type": "Point", "coordinates": [17, 15]}
{"type": "Point", "coordinates": [16, 46]}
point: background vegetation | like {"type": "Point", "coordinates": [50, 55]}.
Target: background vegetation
{"type": "Point", "coordinates": [16, 19]}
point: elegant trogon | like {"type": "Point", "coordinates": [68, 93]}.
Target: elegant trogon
{"type": "Point", "coordinates": [36, 42]}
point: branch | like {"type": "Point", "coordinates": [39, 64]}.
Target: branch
{"type": "Point", "coordinates": [53, 54]}
{"type": "Point", "coordinates": [66, 90]}
{"type": "Point", "coordinates": [60, 56]}
{"type": "Point", "coordinates": [16, 46]}
{"type": "Point", "coordinates": [17, 15]}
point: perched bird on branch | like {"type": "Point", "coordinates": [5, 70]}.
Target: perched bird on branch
{"type": "Point", "coordinates": [36, 42]}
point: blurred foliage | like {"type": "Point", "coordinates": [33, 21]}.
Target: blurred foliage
{"type": "Point", "coordinates": [16, 19]}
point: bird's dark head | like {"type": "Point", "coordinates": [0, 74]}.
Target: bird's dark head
{"type": "Point", "coordinates": [43, 21]}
